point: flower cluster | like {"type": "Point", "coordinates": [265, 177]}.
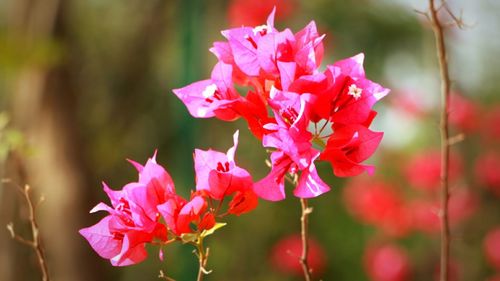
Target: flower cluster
{"type": "Point", "coordinates": [135, 215]}
{"type": "Point", "coordinates": [300, 112]}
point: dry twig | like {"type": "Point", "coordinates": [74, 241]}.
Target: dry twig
{"type": "Point", "coordinates": [36, 242]}
{"type": "Point", "coordinates": [438, 28]}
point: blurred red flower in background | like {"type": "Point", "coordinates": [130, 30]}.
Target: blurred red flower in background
{"type": "Point", "coordinates": [409, 102]}
{"type": "Point", "coordinates": [425, 213]}
{"type": "Point", "coordinates": [286, 252]}
{"type": "Point", "coordinates": [491, 246]}
{"type": "Point", "coordinates": [487, 169]}
{"type": "Point", "coordinates": [494, 278]}
{"type": "Point", "coordinates": [490, 129]}
{"type": "Point", "coordinates": [255, 12]}
{"type": "Point", "coordinates": [377, 203]}
{"type": "Point", "coordinates": [463, 113]}
{"type": "Point", "coordinates": [453, 271]}
{"type": "Point", "coordinates": [423, 170]}
{"type": "Point", "coordinates": [387, 262]}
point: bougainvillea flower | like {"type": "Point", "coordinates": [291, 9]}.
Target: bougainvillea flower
{"type": "Point", "coordinates": [487, 170]}
{"type": "Point", "coordinates": [217, 172]}
{"type": "Point", "coordinates": [244, 42]}
{"type": "Point", "coordinates": [308, 49]}
{"type": "Point", "coordinates": [253, 109]}
{"type": "Point", "coordinates": [348, 147]}
{"type": "Point", "coordinates": [491, 247]}
{"type": "Point", "coordinates": [121, 248]}
{"type": "Point", "coordinates": [191, 212]}
{"type": "Point", "coordinates": [243, 202]}
{"type": "Point", "coordinates": [212, 97]}
{"type": "Point", "coordinates": [272, 187]}
{"type": "Point", "coordinates": [387, 262]}
{"type": "Point", "coordinates": [294, 151]}
{"type": "Point", "coordinates": [182, 216]}
{"type": "Point", "coordinates": [284, 256]}
{"type": "Point", "coordinates": [153, 173]}
{"type": "Point", "coordinates": [379, 204]}
{"type": "Point", "coordinates": [353, 94]}
{"type": "Point", "coordinates": [287, 93]}
{"type": "Point", "coordinates": [314, 89]}
{"type": "Point", "coordinates": [121, 236]}
{"type": "Point", "coordinates": [170, 212]}
{"type": "Point", "coordinates": [275, 47]}
{"type": "Point", "coordinates": [423, 171]}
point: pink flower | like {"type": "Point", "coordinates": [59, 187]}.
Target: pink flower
{"type": "Point", "coordinates": [294, 151]}
{"type": "Point", "coordinates": [348, 147]}
{"type": "Point", "coordinates": [491, 247]}
{"type": "Point", "coordinates": [218, 174]}
{"type": "Point", "coordinates": [244, 43]}
{"type": "Point", "coordinates": [183, 216]}
{"type": "Point", "coordinates": [282, 69]}
{"type": "Point", "coordinates": [286, 252]}
{"type": "Point", "coordinates": [308, 49]}
{"type": "Point", "coordinates": [170, 210]}
{"type": "Point", "coordinates": [132, 222]}
{"type": "Point", "coordinates": [243, 202]}
{"type": "Point", "coordinates": [253, 109]}
{"type": "Point", "coordinates": [387, 262]}
{"type": "Point", "coordinates": [487, 170]}
{"type": "Point", "coordinates": [350, 96]}
{"type": "Point", "coordinates": [212, 97]}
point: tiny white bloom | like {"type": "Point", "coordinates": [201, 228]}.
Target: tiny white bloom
{"type": "Point", "coordinates": [354, 91]}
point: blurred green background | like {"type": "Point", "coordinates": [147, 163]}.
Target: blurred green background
{"type": "Point", "coordinates": [85, 85]}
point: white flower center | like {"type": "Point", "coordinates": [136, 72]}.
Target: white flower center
{"type": "Point", "coordinates": [259, 29]}
{"type": "Point", "coordinates": [209, 91]}
{"type": "Point", "coordinates": [354, 91]}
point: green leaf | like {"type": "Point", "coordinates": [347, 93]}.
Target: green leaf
{"type": "Point", "coordinates": [213, 229]}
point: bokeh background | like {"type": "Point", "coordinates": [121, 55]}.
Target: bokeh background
{"type": "Point", "coordinates": [86, 84]}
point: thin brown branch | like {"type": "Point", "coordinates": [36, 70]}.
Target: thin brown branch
{"type": "Point", "coordinates": [456, 139]}
{"type": "Point", "coordinates": [304, 221]}
{"type": "Point", "coordinates": [164, 277]}
{"type": "Point", "coordinates": [438, 29]}
{"type": "Point", "coordinates": [36, 242]}
{"type": "Point", "coordinates": [457, 20]}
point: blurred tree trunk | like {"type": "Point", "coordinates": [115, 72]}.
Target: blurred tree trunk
{"type": "Point", "coordinates": [44, 108]}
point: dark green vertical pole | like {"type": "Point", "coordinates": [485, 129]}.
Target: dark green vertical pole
{"type": "Point", "coordinates": [191, 28]}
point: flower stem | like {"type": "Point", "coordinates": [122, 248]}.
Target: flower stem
{"type": "Point", "coordinates": [202, 259]}
{"type": "Point", "coordinates": [304, 220]}
{"type": "Point", "coordinates": [445, 147]}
